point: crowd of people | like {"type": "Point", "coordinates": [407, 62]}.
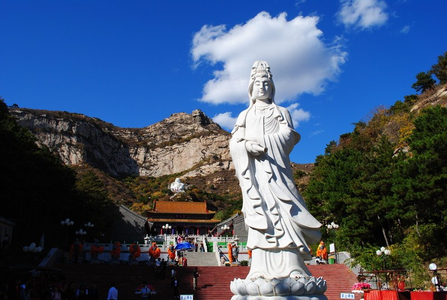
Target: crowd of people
{"type": "Point", "coordinates": [40, 287]}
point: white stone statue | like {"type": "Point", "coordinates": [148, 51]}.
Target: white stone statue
{"type": "Point", "coordinates": [279, 224]}
{"type": "Point", "coordinates": [177, 186]}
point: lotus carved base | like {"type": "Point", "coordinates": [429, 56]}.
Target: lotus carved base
{"type": "Point", "coordinates": [302, 288]}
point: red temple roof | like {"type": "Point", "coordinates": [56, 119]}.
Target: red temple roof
{"type": "Point", "coordinates": [170, 207]}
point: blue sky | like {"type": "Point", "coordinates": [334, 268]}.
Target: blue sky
{"type": "Point", "coordinates": [134, 63]}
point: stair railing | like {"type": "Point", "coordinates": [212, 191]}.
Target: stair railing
{"type": "Point", "coordinates": [221, 254]}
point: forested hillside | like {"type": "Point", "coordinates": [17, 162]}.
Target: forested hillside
{"type": "Point", "coordinates": [385, 183]}
{"type": "Point", "coordinates": [38, 191]}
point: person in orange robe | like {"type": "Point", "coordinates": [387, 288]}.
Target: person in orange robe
{"type": "Point", "coordinates": [154, 252]}
{"type": "Point", "coordinates": [322, 251]}
{"type": "Point", "coordinates": [96, 249]}
{"type": "Point", "coordinates": [135, 251]}
{"type": "Point", "coordinates": [230, 254]}
{"type": "Point", "coordinates": [171, 252]}
{"type": "Point", "coordinates": [76, 250]}
{"type": "Point", "coordinates": [116, 251]}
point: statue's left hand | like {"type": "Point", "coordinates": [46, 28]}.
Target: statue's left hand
{"type": "Point", "coordinates": [255, 148]}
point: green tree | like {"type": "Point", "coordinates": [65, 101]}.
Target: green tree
{"type": "Point", "coordinates": [405, 106]}
{"type": "Point", "coordinates": [92, 202]}
{"type": "Point", "coordinates": [424, 82]}
{"type": "Point", "coordinates": [421, 178]}
{"type": "Point", "coordinates": [38, 191]}
{"type": "Point", "coordinates": [440, 69]}
{"type": "Point", "coordinates": [36, 187]}
{"type": "Point", "coordinates": [329, 190]}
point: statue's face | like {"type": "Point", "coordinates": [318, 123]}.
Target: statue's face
{"type": "Point", "coordinates": [262, 88]}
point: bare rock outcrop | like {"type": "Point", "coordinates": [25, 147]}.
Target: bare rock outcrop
{"type": "Point", "coordinates": [182, 142]}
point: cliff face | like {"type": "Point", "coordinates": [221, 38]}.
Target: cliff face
{"type": "Point", "coordinates": [182, 142]}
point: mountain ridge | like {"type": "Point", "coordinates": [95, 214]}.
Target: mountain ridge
{"type": "Point", "coordinates": [173, 145]}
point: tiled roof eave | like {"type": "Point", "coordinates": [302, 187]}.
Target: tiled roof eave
{"type": "Point", "coordinates": [212, 221]}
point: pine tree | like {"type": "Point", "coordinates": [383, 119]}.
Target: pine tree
{"type": "Point", "coordinates": [424, 82]}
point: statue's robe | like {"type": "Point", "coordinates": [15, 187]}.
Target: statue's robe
{"type": "Point", "coordinates": [278, 222]}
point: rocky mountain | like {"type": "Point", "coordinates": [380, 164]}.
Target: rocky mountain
{"type": "Point", "coordinates": [190, 145]}
{"type": "Point", "coordinates": [183, 142]}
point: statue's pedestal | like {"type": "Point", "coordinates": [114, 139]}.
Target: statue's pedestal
{"type": "Point", "coordinates": [302, 288]}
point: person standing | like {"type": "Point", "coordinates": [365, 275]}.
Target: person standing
{"type": "Point", "coordinates": [202, 247]}
{"type": "Point", "coordinates": [145, 291]}
{"type": "Point", "coordinates": [171, 252]}
{"type": "Point", "coordinates": [175, 288]}
{"type": "Point", "coordinates": [180, 257]}
{"type": "Point", "coordinates": [154, 253]}
{"type": "Point", "coordinates": [82, 292]}
{"type": "Point", "coordinates": [76, 250]}
{"type": "Point", "coordinates": [230, 254]}
{"type": "Point", "coordinates": [235, 251]}
{"type": "Point", "coordinates": [173, 276]}
{"type": "Point", "coordinates": [116, 252]}
{"type": "Point", "coordinates": [23, 292]}
{"type": "Point", "coordinates": [70, 292]}
{"type": "Point", "coordinates": [322, 251]}
{"type": "Point", "coordinates": [163, 268]}
{"type": "Point", "coordinates": [55, 294]}
{"type": "Point", "coordinates": [157, 269]}
{"type": "Point", "coordinates": [93, 293]}
{"type": "Point", "coordinates": [113, 292]}
{"type": "Point", "coordinates": [195, 276]}
{"type": "Point", "coordinates": [5, 242]}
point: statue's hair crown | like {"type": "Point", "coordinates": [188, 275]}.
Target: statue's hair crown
{"type": "Point", "coordinates": [260, 68]}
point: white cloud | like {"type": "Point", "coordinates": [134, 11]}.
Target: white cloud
{"type": "Point", "coordinates": [299, 60]}
{"type": "Point", "coordinates": [316, 132]}
{"type": "Point", "coordinates": [298, 115]}
{"type": "Point", "coordinates": [405, 29]}
{"type": "Point", "coordinates": [225, 120]}
{"type": "Point", "coordinates": [298, 2]}
{"type": "Point", "coordinates": [362, 14]}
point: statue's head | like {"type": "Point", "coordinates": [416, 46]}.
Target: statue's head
{"type": "Point", "coordinates": [261, 82]}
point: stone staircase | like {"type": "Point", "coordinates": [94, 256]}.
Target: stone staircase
{"type": "Point", "coordinates": [213, 282]}
{"type": "Point", "coordinates": [204, 259]}
{"type": "Point", "coordinates": [339, 279]}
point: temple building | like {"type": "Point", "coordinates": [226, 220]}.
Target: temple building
{"type": "Point", "coordinates": [186, 218]}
